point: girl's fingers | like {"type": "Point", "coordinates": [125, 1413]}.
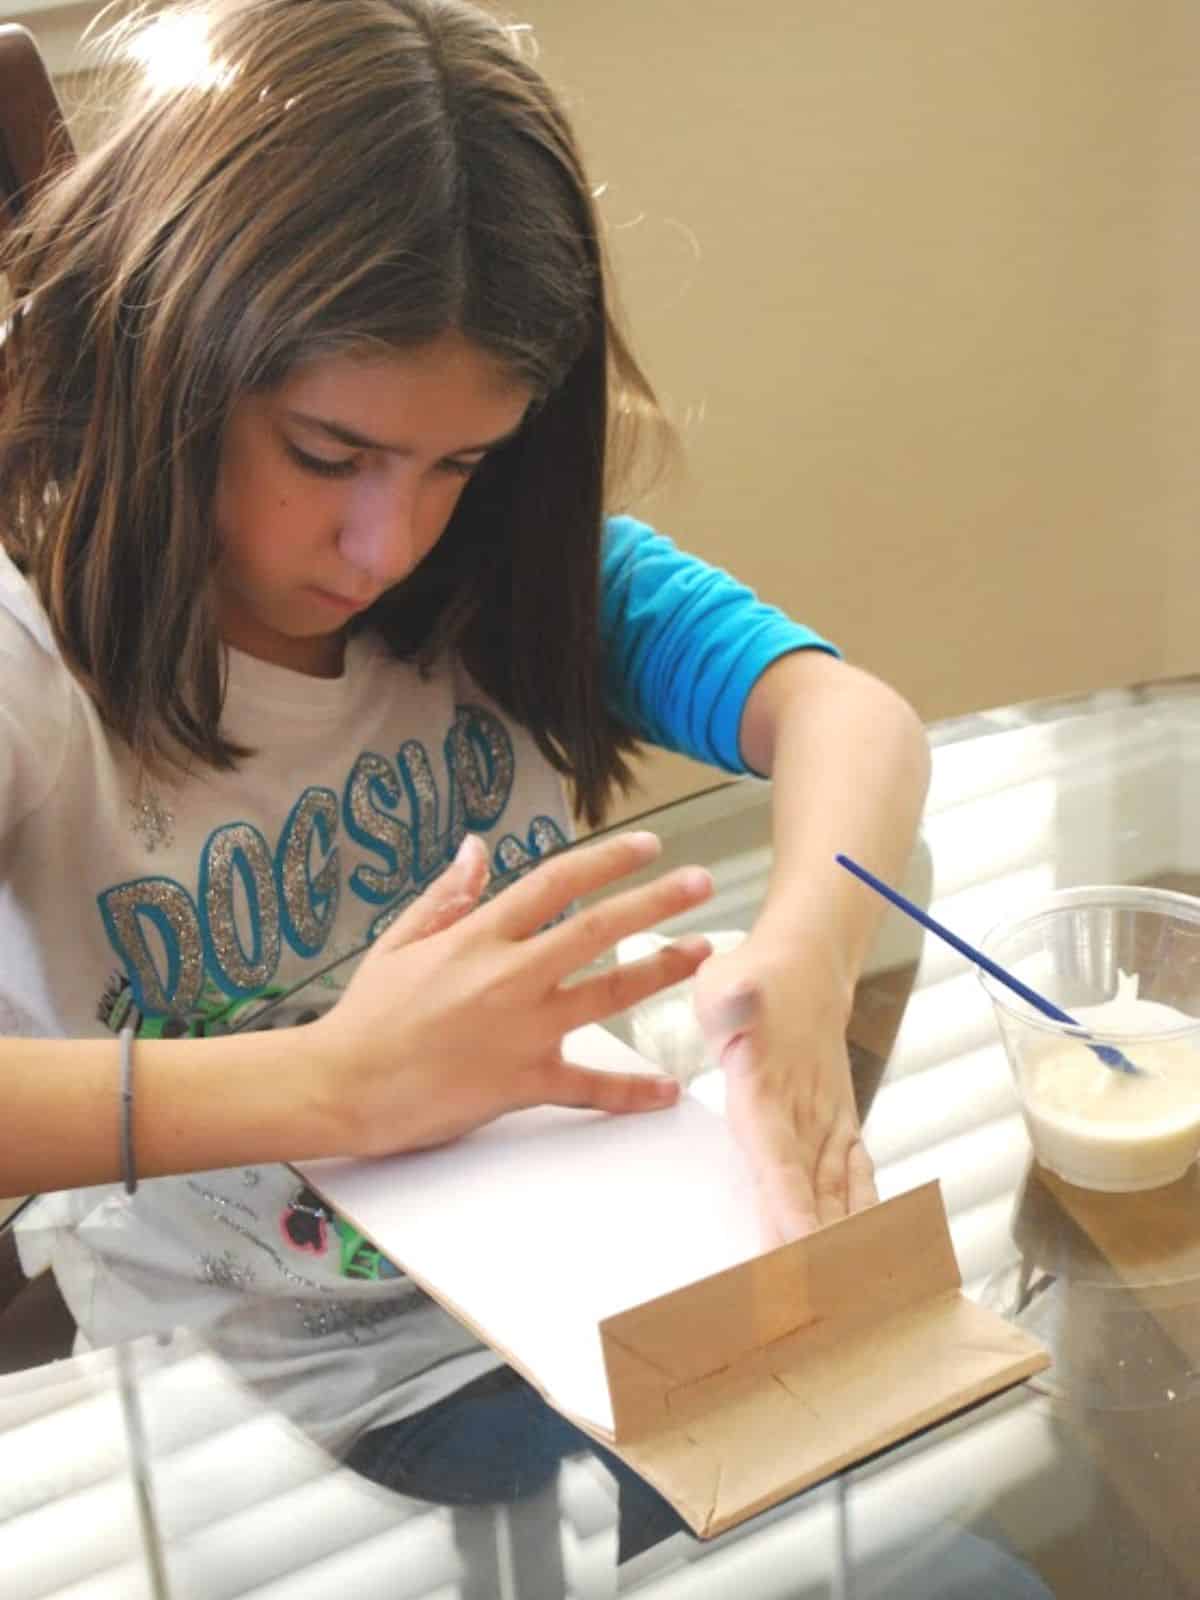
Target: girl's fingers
{"type": "Point", "coordinates": [860, 1178]}
{"type": "Point", "coordinates": [590, 932]}
{"type": "Point", "coordinates": [591, 999]}
{"type": "Point", "coordinates": [550, 888]}
{"type": "Point", "coordinates": [446, 900]}
{"type": "Point", "coordinates": [844, 1180]}
{"type": "Point", "coordinates": [786, 1208]}
{"type": "Point", "coordinates": [563, 1084]}
{"type": "Point", "coordinates": [471, 866]}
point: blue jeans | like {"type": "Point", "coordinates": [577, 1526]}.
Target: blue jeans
{"type": "Point", "coordinates": [496, 1442]}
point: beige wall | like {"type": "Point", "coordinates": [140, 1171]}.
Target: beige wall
{"type": "Point", "coordinates": [924, 278]}
{"type": "Point", "coordinates": [919, 281]}
{"type": "Point", "coordinates": [1177, 255]}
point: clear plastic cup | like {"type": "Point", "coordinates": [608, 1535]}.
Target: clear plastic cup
{"type": "Point", "coordinates": [1094, 1125]}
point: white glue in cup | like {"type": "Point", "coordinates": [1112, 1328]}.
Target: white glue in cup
{"type": "Point", "coordinates": [1125, 963]}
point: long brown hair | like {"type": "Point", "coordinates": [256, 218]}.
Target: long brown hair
{"type": "Point", "coordinates": [361, 174]}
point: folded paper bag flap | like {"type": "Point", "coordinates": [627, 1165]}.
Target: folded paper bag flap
{"type": "Point", "coordinates": [769, 1434]}
{"type": "Point", "coordinates": [663, 1356]}
{"type": "Point", "coordinates": [672, 1346]}
{"type": "Point", "coordinates": [735, 1392]}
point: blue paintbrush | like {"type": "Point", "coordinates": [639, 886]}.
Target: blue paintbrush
{"type": "Point", "coordinates": [1108, 1053]}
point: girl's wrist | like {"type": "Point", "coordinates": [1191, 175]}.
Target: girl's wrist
{"type": "Point", "coordinates": [327, 1116]}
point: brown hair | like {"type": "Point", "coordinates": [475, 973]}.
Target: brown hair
{"type": "Point", "coordinates": [354, 175]}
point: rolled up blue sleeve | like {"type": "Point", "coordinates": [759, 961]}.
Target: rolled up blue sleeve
{"type": "Point", "coordinates": [684, 644]}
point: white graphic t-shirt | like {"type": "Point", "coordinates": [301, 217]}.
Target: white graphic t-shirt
{"type": "Point", "coordinates": [188, 907]}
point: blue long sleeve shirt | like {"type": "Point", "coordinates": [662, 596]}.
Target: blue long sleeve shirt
{"type": "Point", "coordinates": [684, 644]}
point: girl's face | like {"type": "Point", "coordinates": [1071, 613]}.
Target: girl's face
{"type": "Point", "coordinates": [334, 485]}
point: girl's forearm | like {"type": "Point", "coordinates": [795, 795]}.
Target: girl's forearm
{"type": "Point", "coordinates": [454, 1016]}
{"type": "Point", "coordinates": [849, 763]}
{"type": "Point", "coordinates": [197, 1104]}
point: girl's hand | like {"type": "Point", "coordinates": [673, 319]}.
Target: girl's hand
{"type": "Point", "coordinates": [457, 1012]}
{"type": "Point", "coordinates": [779, 1033]}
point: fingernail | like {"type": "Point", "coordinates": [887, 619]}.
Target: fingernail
{"type": "Point", "coordinates": [693, 945]}
{"type": "Point", "coordinates": [696, 881]}
{"type": "Point", "coordinates": [471, 845]}
{"type": "Point", "coordinates": [647, 844]}
{"type": "Point", "coordinates": [665, 1088]}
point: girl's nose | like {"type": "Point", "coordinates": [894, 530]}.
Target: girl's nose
{"type": "Point", "coordinates": [377, 533]}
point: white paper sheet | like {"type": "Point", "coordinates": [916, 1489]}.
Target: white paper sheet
{"type": "Point", "coordinates": [542, 1224]}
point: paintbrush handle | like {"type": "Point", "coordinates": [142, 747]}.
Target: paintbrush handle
{"type": "Point", "coordinates": [902, 903]}
{"type": "Point", "coordinates": [1108, 1053]}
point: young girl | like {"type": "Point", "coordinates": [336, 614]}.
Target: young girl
{"type": "Point", "coordinates": [314, 408]}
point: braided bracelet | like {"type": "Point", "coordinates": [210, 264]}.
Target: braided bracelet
{"type": "Point", "coordinates": [128, 1171]}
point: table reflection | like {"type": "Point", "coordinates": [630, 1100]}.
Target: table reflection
{"type": "Point", "coordinates": [1078, 1484]}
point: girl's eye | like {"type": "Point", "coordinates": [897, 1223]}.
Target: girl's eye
{"type": "Point", "coordinates": [461, 469]}
{"type": "Point", "coordinates": [344, 467]}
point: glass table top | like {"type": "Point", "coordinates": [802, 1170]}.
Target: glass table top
{"type": "Point", "coordinates": [152, 1469]}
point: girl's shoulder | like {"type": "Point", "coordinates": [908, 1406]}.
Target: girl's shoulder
{"type": "Point", "coordinates": [25, 632]}
{"type": "Point", "coordinates": [37, 689]}
{"type": "Point", "coordinates": [40, 702]}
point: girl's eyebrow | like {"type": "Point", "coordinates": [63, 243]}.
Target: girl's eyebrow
{"type": "Point", "coordinates": [362, 441]}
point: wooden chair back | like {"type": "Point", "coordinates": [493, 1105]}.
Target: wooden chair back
{"type": "Point", "coordinates": [34, 141]}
